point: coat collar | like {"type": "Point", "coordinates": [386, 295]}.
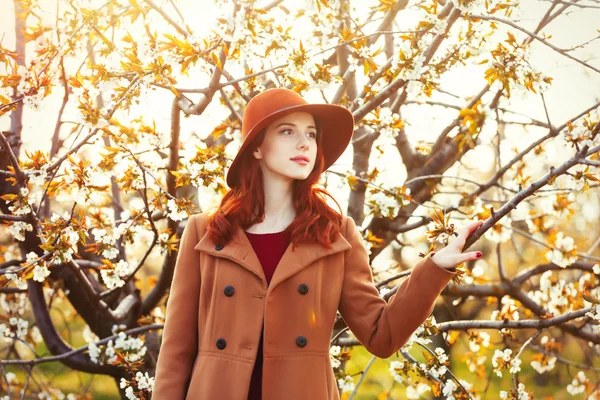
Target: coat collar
{"type": "Point", "coordinates": [240, 250]}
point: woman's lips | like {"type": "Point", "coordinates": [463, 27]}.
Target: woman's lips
{"type": "Point", "coordinates": [300, 161]}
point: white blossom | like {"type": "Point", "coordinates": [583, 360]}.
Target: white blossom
{"type": "Point", "coordinates": [346, 383]}
{"type": "Point", "coordinates": [334, 351]}
{"type": "Point", "coordinates": [94, 352]}
{"type": "Point", "coordinates": [394, 366]}
{"type": "Point", "coordinates": [499, 354]}
{"type": "Point", "coordinates": [543, 368]}
{"type": "Point", "coordinates": [449, 386]}
{"type": "Point", "coordinates": [175, 213]}
{"type": "Point", "coordinates": [18, 228]}
{"type": "Point", "coordinates": [40, 272]}
{"type": "Point", "coordinates": [577, 386]}
{"type": "Point", "coordinates": [563, 253]}
{"type": "Point", "coordinates": [417, 392]}
{"type": "Point", "coordinates": [515, 365]}
{"type": "Point", "coordinates": [21, 284]}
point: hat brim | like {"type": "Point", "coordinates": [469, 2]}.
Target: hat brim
{"type": "Point", "coordinates": [336, 124]}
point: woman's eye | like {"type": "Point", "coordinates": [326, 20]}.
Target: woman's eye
{"type": "Point", "coordinates": [314, 134]}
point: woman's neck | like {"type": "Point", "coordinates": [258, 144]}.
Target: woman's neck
{"type": "Point", "coordinates": [273, 223]}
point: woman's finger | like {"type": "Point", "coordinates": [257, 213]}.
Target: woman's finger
{"type": "Point", "coordinates": [466, 231]}
{"type": "Point", "coordinates": [473, 255]}
{"type": "Point", "coordinates": [471, 228]}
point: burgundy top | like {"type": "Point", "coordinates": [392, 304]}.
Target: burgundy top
{"type": "Point", "coordinates": [269, 247]}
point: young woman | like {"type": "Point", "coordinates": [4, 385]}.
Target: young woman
{"type": "Point", "coordinates": [257, 283]}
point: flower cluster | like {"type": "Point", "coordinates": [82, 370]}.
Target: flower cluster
{"type": "Point", "coordinates": [18, 228]}
{"type": "Point", "coordinates": [564, 252]}
{"type": "Point", "coordinates": [106, 243]}
{"type": "Point", "coordinates": [205, 174]}
{"type": "Point", "coordinates": [581, 133]}
{"type": "Point", "coordinates": [141, 384]}
{"type": "Point", "coordinates": [520, 394]}
{"type": "Point", "coordinates": [578, 384]}
{"type": "Point", "coordinates": [113, 274]}
{"type": "Point", "coordinates": [439, 368]}
{"type": "Point", "coordinates": [436, 368]}
{"type": "Point", "coordinates": [543, 362]}
{"type": "Point", "coordinates": [346, 384]}
{"type": "Point", "coordinates": [417, 391]}
{"type": "Point", "coordinates": [54, 393]}
{"type": "Point", "coordinates": [176, 213]}
{"type": "Point", "coordinates": [34, 266]}
{"type": "Point", "coordinates": [40, 270]}
{"type": "Point", "coordinates": [509, 311]}
{"type": "Point", "coordinates": [420, 336]}
{"type": "Point", "coordinates": [500, 232]}
{"type": "Point", "coordinates": [33, 84]}
{"type": "Point", "coordinates": [63, 241]}
{"type": "Point", "coordinates": [334, 351]}
{"type": "Point", "coordinates": [556, 295]}
{"type": "Point", "coordinates": [133, 348]}
{"type": "Point", "coordinates": [16, 279]}
{"type": "Point", "coordinates": [502, 360]}
{"type": "Point", "coordinates": [85, 181]}
{"type": "Point", "coordinates": [477, 340]}
{"type": "Point", "coordinates": [13, 308]}
{"type": "Point", "coordinates": [509, 67]}
{"type": "Point", "coordinates": [399, 370]}
{"type": "Point", "coordinates": [386, 122]}
{"type": "Point", "coordinates": [17, 328]}
{"type": "Point", "coordinates": [21, 202]}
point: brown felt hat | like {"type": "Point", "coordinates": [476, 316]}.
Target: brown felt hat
{"type": "Point", "coordinates": [336, 124]}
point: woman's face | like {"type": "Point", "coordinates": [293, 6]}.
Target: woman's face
{"type": "Point", "coordinates": [290, 136]}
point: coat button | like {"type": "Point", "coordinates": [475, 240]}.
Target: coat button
{"type": "Point", "coordinates": [221, 343]}
{"type": "Point", "coordinates": [303, 288]}
{"type": "Point", "coordinates": [219, 247]}
{"type": "Point", "coordinates": [301, 341]}
{"type": "Point", "coordinates": [229, 291]}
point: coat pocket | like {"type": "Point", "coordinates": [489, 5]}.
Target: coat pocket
{"type": "Point", "coordinates": [219, 377]}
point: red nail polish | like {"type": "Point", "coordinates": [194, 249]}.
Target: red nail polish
{"type": "Point", "coordinates": [478, 254]}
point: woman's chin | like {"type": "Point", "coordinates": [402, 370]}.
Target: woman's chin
{"type": "Point", "coordinates": [297, 177]}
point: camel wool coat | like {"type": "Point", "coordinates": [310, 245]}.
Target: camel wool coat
{"type": "Point", "coordinates": [219, 300]}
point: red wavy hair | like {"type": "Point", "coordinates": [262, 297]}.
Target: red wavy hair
{"type": "Point", "coordinates": [315, 219]}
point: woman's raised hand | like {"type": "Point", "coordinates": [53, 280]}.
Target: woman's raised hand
{"type": "Point", "coordinates": [451, 255]}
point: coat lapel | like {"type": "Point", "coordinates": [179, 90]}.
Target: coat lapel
{"type": "Point", "coordinates": [241, 252]}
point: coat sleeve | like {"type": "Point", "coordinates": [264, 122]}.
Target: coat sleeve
{"type": "Point", "coordinates": [384, 327]}
{"type": "Point", "coordinates": [179, 344]}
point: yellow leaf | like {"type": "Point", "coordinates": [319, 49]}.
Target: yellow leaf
{"type": "Point", "coordinates": [465, 112]}
{"type": "Point", "coordinates": [589, 297]}
{"type": "Point", "coordinates": [174, 91]}
{"type": "Point", "coordinates": [366, 67]}
{"type": "Point", "coordinates": [107, 42]}
{"type": "Point", "coordinates": [76, 81]}
{"type": "Point", "coordinates": [128, 39]}
{"type": "Point", "coordinates": [225, 49]}
{"type": "Point", "coordinates": [511, 38]}
{"type": "Point", "coordinates": [215, 58]}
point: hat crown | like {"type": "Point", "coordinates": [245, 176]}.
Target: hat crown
{"type": "Point", "coordinates": [266, 103]}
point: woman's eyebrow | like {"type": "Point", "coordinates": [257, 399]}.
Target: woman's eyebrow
{"type": "Point", "coordinates": [289, 123]}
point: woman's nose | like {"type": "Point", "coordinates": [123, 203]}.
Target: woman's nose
{"type": "Point", "coordinates": [304, 142]}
